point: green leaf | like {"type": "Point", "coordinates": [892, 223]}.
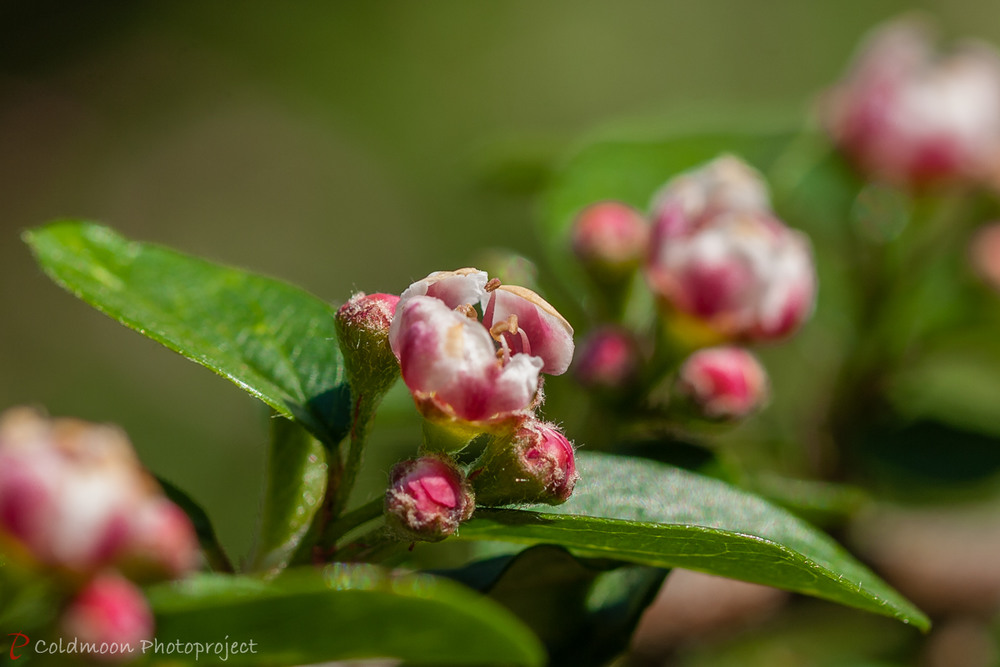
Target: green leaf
{"type": "Point", "coordinates": [207, 538]}
{"type": "Point", "coordinates": [344, 612]}
{"type": "Point", "coordinates": [275, 341]}
{"type": "Point", "coordinates": [293, 492]}
{"type": "Point", "coordinates": [648, 513]}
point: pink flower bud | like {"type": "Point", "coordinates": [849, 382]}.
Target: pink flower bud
{"type": "Point", "coordinates": [161, 542]}
{"type": "Point", "coordinates": [911, 117]}
{"type": "Point", "coordinates": [744, 275]}
{"type": "Point", "coordinates": [610, 237]}
{"type": "Point", "coordinates": [727, 184]}
{"type": "Point", "coordinates": [110, 611]}
{"type": "Point", "coordinates": [539, 466]}
{"type": "Point", "coordinates": [369, 312]}
{"type": "Point", "coordinates": [984, 254]}
{"type": "Point", "coordinates": [363, 325]}
{"type": "Point", "coordinates": [73, 496]}
{"type": "Point", "coordinates": [427, 498]}
{"type": "Point", "coordinates": [723, 383]}
{"type": "Point", "coordinates": [608, 359]}
{"type": "Point", "coordinates": [525, 323]}
{"type": "Point", "coordinates": [449, 362]}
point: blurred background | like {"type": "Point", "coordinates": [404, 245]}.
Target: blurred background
{"type": "Point", "coordinates": [340, 146]}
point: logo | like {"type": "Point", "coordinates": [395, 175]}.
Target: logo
{"type": "Point", "coordinates": [23, 638]}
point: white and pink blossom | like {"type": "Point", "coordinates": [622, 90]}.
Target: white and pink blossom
{"type": "Point", "coordinates": [912, 117]}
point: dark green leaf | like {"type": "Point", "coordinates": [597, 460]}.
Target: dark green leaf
{"type": "Point", "coordinates": [209, 541]}
{"type": "Point", "coordinates": [583, 609]}
{"type": "Point", "coordinates": [344, 612]}
{"type": "Point", "coordinates": [648, 513]}
{"type": "Point", "coordinates": [294, 490]}
{"type": "Point", "coordinates": [275, 341]}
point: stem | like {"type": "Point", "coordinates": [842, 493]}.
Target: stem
{"type": "Point", "coordinates": [364, 412]}
{"type": "Point", "coordinates": [351, 520]}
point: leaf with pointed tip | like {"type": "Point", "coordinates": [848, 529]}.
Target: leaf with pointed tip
{"type": "Point", "coordinates": [273, 340]}
{"type": "Point", "coordinates": [645, 512]}
{"type": "Point", "coordinates": [344, 612]}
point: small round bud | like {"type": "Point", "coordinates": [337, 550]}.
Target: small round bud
{"type": "Point", "coordinates": [608, 360]}
{"type": "Point", "coordinates": [427, 499]}
{"type": "Point", "coordinates": [610, 238]}
{"type": "Point", "coordinates": [363, 329]}
{"type": "Point", "coordinates": [539, 466]}
{"type": "Point", "coordinates": [723, 383]}
{"type": "Point", "coordinates": [112, 612]}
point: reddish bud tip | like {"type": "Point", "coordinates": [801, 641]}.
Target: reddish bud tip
{"type": "Point", "coordinates": [723, 383]}
{"type": "Point", "coordinates": [372, 312]}
{"type": "Point", "coordinates": [427, 498]}
{"type": "Point", "coordinates": [161, 544]}
{"type": "Point", "coordinates": [110, 611]}
{"type": "Point", "coordinates": [608, 359]}
{"type": "Point", "coordinates": [537, 466]}
{"type": "Point", "coordinates": [610, 237]}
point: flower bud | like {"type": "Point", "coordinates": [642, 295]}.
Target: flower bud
{"type": "Point", "coordinates": [539, 466]}
{"type": "Point", "coordinates": [161, 542]}
{"type": "Point", "coordinates": [743, 275]}
{"type": "Point", "coordinates": [608, 360]}
{"type": "Point", "coordinates": [911, 117]}
{"type": "Point", "coordinates": [363, 329]}
{"type": "Point", "coordinates": [73, 496]}
{"type": "Point", "coordinates": [609, 238]}
{"type": "Point", "coordinates": [427, 499]}
{"type": "Point", "coordinates": [109, 611]}
{"type": "Point", "coordinates": [449, 362]}
{"type": "Point", "coordinates": [723, 383]}
{"type": "Point", "coordinates": [727, 184]}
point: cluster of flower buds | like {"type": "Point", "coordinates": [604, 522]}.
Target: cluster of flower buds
{"type": "Point", "coordinates": [910, 117]}
{"type": "Point", "coordinates": [76, 502]}
{"type": "Point", "coordinates": [471, 351]}
{"type": "Point", "coordinates": [723, 269]}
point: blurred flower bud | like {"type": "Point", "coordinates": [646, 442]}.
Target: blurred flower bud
{"type": "Point", "coordinates": [110, 611]}
{"type": "Point", "coordinates": [363, 329]}
{"type": "Point", "coordinates": [723, 383]}
{"type": "Point", "coordinates": [908, 116]}
{"type": "Point", "coordinates": [161, 542]}
{"type": "Point", "coordinates": [727, 184]}
{"type": "Point", "coordinates": [610, 239]}
{"type": "Point", "coordinates": [73, 496]}
{"type": "Point", "coordinates": [743, 275]}
{"type": "Point", "coordinates": [984, 254]}
{"type": "Point", "coordinates": [427, 499]}
{"type": "Point", "coordinates": [608, 359]}
{"type": "Point", "coordinates": [539, 466]}
{"type": "Point", "coordinates": [509, 267]}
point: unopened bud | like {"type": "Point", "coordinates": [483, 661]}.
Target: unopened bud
{"type": "Point", "coordinates": [610, 239]}
{"type": "Point", "coordinates": [110, 612]}
{"type": "Point", "coordinates": [427, 499]}
{"type": "Point", "coordinates": [608, 359]}
{"type": "Point", "coordinates": [161, 542]}
{"type": "Point", "coordinates": [539, 466]}
{"type": "Point", "coordinates": [363, 329]}
{"type": "Point", "coordinates": [723, 383]}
